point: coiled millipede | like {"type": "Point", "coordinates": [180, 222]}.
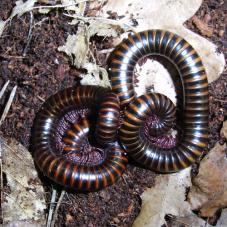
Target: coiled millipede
{"type": "Point", "coordinates": [63, 125]}
{"type": "Point", "coordinates": [194, 107]}
{"type": "Point", "coordinates": [59, 142]}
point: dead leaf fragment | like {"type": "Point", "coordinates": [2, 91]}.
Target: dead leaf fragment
{"type": "Point", "coordinates": [77, 6]}
{"type": "Point", "coordinates": [166, 197]}
{"type": "Point", "coordinates": [169, 15]}
{"type": "Point", "coordinates": [104, 28]}
{"type": "Point", "coordinates": [24, 198]}
{"type": "Point", "coordinates": [2, 25]}
{"type": "Point", "coordinates": [94, 8]}
{"type": "Point", "coordinates": [76, 47]}
{"type": "Point", "coordinates": [95, 75]}
{"type": "Point", "coordinates": [224, 130]}
{"type": "Point", "coordinates": [190, 220]}
{"type": "Point", "coordinates": [202, 26]}
{"type": "Point", "coordinates": [49, 2]}
{"type": "Point", "coordinates": [22, 7]}
{"type": "Point", "coordinates": [209, 188]}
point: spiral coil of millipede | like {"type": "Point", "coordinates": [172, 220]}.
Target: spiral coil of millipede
{"type": "Point", "coordinates": [73, 118]}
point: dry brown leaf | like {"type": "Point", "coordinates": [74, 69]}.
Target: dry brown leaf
{"type": "Point", "coordinates": [166, 197]}
{"type": "Point", "coordinates": [209, 188]}
{"type": "Point", "coordinates": [202, 26]}
{"type": "Point", "coordinates": [168, 15]}
{"type": "Point", "coordinates": [76, 47]}
{"type": "Point", "coordinates": [22, 7]}
{"type": "Point", "coordinates": [23, 193]}
{"type": "Point", "coordinates": [104, 28]}
{"type": "Point", "coordinates": [76, 6]}
{"type": "Point", "coordinates": [94, 8]}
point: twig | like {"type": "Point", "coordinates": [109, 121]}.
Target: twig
{"type": "Point", "coordinates": [101, 6]}
{"type": "Point", "coordinates": [60, 5]}
{"type": "Point", "coordinates": [57, 207]}
{"type": "Point", "coordinates": [39, 23]}
{"type": "Point", "coordinates": [106, 51]}
{"type": "Point", "coordinates": [40, 98]}
{"type": "Point", "coordinates": [51, 209]}
{"type": "Point", "coordinates": [3, 89]}
{"type": "Point", "coordinates": [1, 182]}
{"type": "Point", "coordinates": [29, 38]}
{"type": "Point", "coordinates": [11, 56]}
{"type": "Point", "coordinates": [111, 21]}
{"type": "Point", "coordinates": [93, 58]}
{"type": "Point", "coordinates": [9, 102]}
{"type": "Point", "coordinates": [220, 100]}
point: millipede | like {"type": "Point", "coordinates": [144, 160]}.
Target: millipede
{"type": "Point", "coordinates": [63, 126]}
{"type": "Point", "coordinates": [194, 108]}
{"type": "Point", "coordinates": [65, 166]}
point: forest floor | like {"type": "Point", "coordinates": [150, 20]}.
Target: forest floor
{"type": "Point", "coordinates": [40, 71]}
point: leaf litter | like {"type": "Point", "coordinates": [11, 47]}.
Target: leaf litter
{"type": "Point", "coordinates": [83, 61]}
{"type": "Point", "coordinates": [23, 199]}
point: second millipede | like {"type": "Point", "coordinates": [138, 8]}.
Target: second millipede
{"type": "Point", "coordinates": [195, 99]}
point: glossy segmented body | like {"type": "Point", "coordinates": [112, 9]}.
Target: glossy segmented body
{"type": "Point", "coordinates": [66, 172]}
{"type": "Point", "coordinates": [75, 136]}
{"type": "Point", "coordinates": [194, 106]}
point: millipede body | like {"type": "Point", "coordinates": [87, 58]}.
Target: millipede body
{"type": "Point", "coordinates": [72, 172]}
{"type": "Point", "coordinates": [194, 109]}
{"type": "Point", "coordinates": [73, 118]}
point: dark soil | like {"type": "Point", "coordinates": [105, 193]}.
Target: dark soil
{"type": "Point", "coordinates": [42, 71]}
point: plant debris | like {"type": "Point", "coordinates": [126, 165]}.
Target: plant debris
{"type": "Point", "coordinates": [224, 130]}
{"type": "Point", "coordinates": [95, 75]}
{"type": "Point", "coordinates": [167, 197]}
{"type": "Point", "coordinates": [202, 26]}
{"type": "Point", "coordinates": [44, 70]}
{"type": "Point", "coordinates": [22, 189]}
{"type": "Point", "coordinates": [76, 47]}
{"type": "Point", "coordinates": [208, 193]}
